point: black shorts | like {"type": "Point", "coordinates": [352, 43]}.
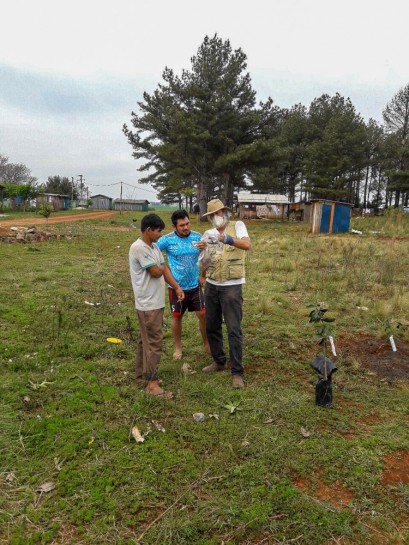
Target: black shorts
{"type": "Point", "coordinates": [193, 301]}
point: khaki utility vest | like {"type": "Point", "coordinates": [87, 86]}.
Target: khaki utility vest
{"type": "Point", "coordinates": [227, 264]}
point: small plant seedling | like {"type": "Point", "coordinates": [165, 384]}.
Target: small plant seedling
{"type": "Point", "coordinates": [318, 316]}
{"type": "Point", "coordinates": [45, 210]}
{"type": "Point", "coordinates": [232, 407]}
{"type": "Point", "coordinates": [323, 388]}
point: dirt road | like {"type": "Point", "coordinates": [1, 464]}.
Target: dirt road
{"type": "Point", "coordinates": [38, 220]}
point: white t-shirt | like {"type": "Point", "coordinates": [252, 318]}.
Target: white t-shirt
{"type": "Point", "coordinates": [149, 291]}
{"type": "Point", "coordinates": [241, 232]}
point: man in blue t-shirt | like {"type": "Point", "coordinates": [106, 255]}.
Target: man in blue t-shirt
{"type": "Point", "coordinates": [182, 248]}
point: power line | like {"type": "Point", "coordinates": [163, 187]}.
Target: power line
{"type": "Point", "coordinates": [118, 183]}
{"type": "Point", "coordinates": [139, 187]}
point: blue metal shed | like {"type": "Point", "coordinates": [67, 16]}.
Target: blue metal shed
{"type": "Point", "coordinates": [330, 216]}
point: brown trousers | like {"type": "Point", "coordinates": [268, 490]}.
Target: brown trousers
{"type": "Point", "coordinates": [149, 350]}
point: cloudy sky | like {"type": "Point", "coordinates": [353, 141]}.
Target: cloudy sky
{"type": "Point", "coordinates": [72, 72]}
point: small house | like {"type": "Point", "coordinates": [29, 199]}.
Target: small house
{"type": "Point", "coordinates": [101, 202]}
{"type": "Point", "coordinates": [131, 205]}
{"type": "Point", "coordinates": [57, 201]}
{"type": "Point", "coordinates": [261, 206]}
{"type": "Point", "coordinates": [330, 216]}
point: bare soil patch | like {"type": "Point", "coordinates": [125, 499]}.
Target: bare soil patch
{"type": "Point", "coordinates": [335, 494]}
{"type": "Point", "coordinates": [377, 356]}
{"type": "Point", "coordinates": [396, 468]}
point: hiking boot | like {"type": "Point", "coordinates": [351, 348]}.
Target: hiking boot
{"type": "Point", "coordinates": [237, 381]}
{"type": "Point", "coordinates": [214, 367]}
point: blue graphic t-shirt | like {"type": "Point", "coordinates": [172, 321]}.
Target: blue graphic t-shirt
{"type": "Point", "coordinates": [182, 258]}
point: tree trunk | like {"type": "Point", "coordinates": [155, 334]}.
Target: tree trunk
{"type": "Point", "coordinates": [202, 197]}
{"type": "Point", "coordinates": [357, 189]}
{"type": "Point", "coordinates": [366, 187]}
{"type": "Point", "coordinates": [226, 190]}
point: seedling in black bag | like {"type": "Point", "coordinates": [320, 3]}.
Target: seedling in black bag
{"type": "Point", "coordinates": [324, 366]}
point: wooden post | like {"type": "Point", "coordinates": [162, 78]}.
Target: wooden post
{"type": "Point", "coordinates": [331, 218]}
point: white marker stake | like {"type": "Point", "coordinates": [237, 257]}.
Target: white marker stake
{"type": "Point", "coordinates": [393, 345]}
{"type": "Point", "coordinates": [331, 340]}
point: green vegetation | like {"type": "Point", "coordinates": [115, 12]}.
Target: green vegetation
{"type": "Point", "coordinates": [203, 133]}
{"type": "Point", "coordinates": [270, 467]}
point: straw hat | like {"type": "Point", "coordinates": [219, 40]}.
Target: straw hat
{"type": "Point", "coordinates": [214, 206]}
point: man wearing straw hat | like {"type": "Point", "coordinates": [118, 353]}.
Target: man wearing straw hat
{"type": "Point", "coordinates": [226, 244]}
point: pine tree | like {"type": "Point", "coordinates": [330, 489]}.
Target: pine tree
{"type": "Point", "coordinates": [202, 128]}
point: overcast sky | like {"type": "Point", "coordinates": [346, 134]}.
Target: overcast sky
{"type": "Point", "coordinates": [72, 72]}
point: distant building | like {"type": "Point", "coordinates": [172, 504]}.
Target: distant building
{"type": "Point", "coordinates": [101, 202]}
{"type": "Point", "coordinates": [57, 201]}
{"type": "Point", "coordinates": [330, 216]}
{"type": "Point", "coordinates": [252, 205]}
{"type": "Point", "coordinates": [131, 205]}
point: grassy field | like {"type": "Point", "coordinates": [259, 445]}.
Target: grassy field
{"type": "Point", "coordinates": [7, 213]}
{"type": "Point", "coordinates": [268, 467]}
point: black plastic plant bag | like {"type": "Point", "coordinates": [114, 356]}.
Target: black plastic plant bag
{"type": "Point", "coordinates": [319, 365]}
{"type": "Point", "coordinates": [323, 393]}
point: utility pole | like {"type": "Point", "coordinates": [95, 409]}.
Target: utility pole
{"type": "Point", "coordinates": [72, 191]}
{"type": "Point", "coordinates": [81, 185]}
{"type": "Point", "coordinates": [120, 201]}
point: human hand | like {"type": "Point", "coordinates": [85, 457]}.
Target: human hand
{"type": "Point", "coordinates": [180, 294]}
{"type": "Point", "coordinates": [200, 245]}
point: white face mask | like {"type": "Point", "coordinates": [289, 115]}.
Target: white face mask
{"type": "Point", "coordinates": [217, 221]}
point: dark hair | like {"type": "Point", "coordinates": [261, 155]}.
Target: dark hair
{"type": "Point", "coordinates": [153, 221]}
{"type": "Point", "coordinates": [178, 215]}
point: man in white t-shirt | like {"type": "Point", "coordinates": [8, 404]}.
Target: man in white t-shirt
{"type": "Point", "coordinates": [226, 243]}
{"type": "Point", "coordinates": [148, 274]}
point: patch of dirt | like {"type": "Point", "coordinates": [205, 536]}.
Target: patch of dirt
{"type": "Point", "coordinates": [370, 420]}
{"type": "Point", "coordinates": [335, 494]}
{"type": "Point", "coordinates": [377, 356]}
{"type": "Point", "coordinates": [58, 219]}
{"type": "Point", "coordinates": [396, 468]}
{"type": "Point", "coordinates": [348, 436]}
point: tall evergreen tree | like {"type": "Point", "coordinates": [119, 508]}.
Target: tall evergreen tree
{"type": "Point", "coordinates": [374, 137]}
{"type": "Point", "coordinates": [335, 154]}
{"type": "Point", "coordinates": [203, 127]}
{"type": "Point", "coordinates": [294, 131]}
{"type": "Point", "coordinates": [396, 119]}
